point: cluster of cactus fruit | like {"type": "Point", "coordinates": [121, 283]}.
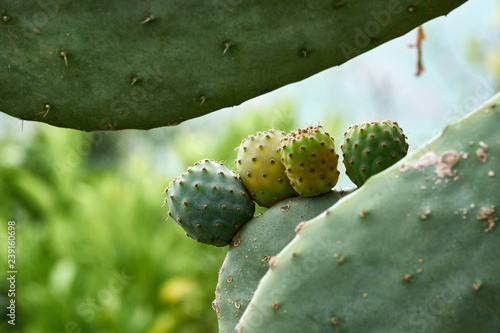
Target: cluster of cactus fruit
{"type": "Point", "coordinates": [211, 203]}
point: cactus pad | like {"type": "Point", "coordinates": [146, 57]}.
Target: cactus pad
{"type": "Point", "coordinates": [256, 243]}
{"type": "Point", "coordinates": [209, 202]}
{"type": "Point", "coordinates": [310, 160]}
{"type": "Point", "coordinates": [118, 64]}
{"type": "Point", "coordinates": [371, 147]}
{"type": "Point", "coordinates": [413, 250]}
{"type": "Point", "coordinates": [260, 169]}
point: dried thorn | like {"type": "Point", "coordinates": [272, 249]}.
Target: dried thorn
{"type": "Point", "coordinates": [147, 19]}
{"type": "Point", "coordinates": [227, 45]}
{"type": "Point", "coordinates": [64, 54]}
{"type": "Point", "coordinates": [134, 80]}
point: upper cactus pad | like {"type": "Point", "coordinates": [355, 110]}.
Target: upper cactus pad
{"type": "Point", "coordinates": [117, 64]}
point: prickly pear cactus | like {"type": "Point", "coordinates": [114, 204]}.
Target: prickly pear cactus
{"type": "Point", "coordinates": [260, 169]}
{"type": "Point", "coordinates": [413, 250]}
{"type": "Point", "coordinates": [371, 147]}
{"type": "Point", "coordinates": [209, 203]}
{"type": "Point", "coordinates": [253, 247]}
{"type": "Point", "coordinates": [117, 64]}
{"type": "Point", "coordinates": [310, 160]}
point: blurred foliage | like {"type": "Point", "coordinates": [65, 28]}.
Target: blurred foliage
{"type": "Point", "coordinates": [94, 252]}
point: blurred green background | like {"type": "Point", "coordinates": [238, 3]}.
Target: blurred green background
{"type": "Point", "coordinates": [95, 251]}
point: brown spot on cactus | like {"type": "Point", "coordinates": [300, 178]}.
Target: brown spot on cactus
{"type": "Point", "coordinates": [407, 277]}
{"type": "Point", "coordinates": [275, 305]}
{"type": "Point", "coordinates": [384, 145]}
{"type": "Point", "coordinates": [362, 213]}
{"type": "Point", "coordinates": [179, 220]}
{"type": "Point", "coordinates": [335, 320]}
{"type": "Point", "coordinates": [273, 262]}
{"type": "Point", "coordinates": [481, 154]}
{"type": "Point", "coordinates": [185, 203]}
{"type": "Point", "coordinates": [476, 285]}
{"type": "Point", "coordinates": [205, 207]}
{"type": "Point", "coordinates": [223, 206]}
{"type": "Point", "coordinates": [198, 226]}
{"type": "Point", "coordinates": [299, 227]}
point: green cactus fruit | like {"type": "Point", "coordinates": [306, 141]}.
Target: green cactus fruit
{"type": "Point", "coordinates": [372, 147]}
{"type": "Point", "coordinates": [310, 160]}
{"type": "Point", "coordinates": [260, 169]}
{"type": "Point", "coordinates": [118, 64]}
{"type": "Point", "coordinates": [413, 250]}
{"type": "Point", "coordinates": [256, 243]}
{"type": "Point", "coordinates": [209, 202]}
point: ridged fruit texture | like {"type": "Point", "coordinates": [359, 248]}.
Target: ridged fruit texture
{"type": "Point", "coordinates": [310, 160]}
{"type": "Point", "coordinates": [262, 173]}
{"type": "Point", "coordinates": [256, 243]}
{"type": "Point", "coordinates": [209, 202]}
{"type": "Point", "coordinates": [118, 64]}
{"type": "Point", "coordinates": [413, 250]}
{"type": "Point", "coordinates": [371, 147]}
